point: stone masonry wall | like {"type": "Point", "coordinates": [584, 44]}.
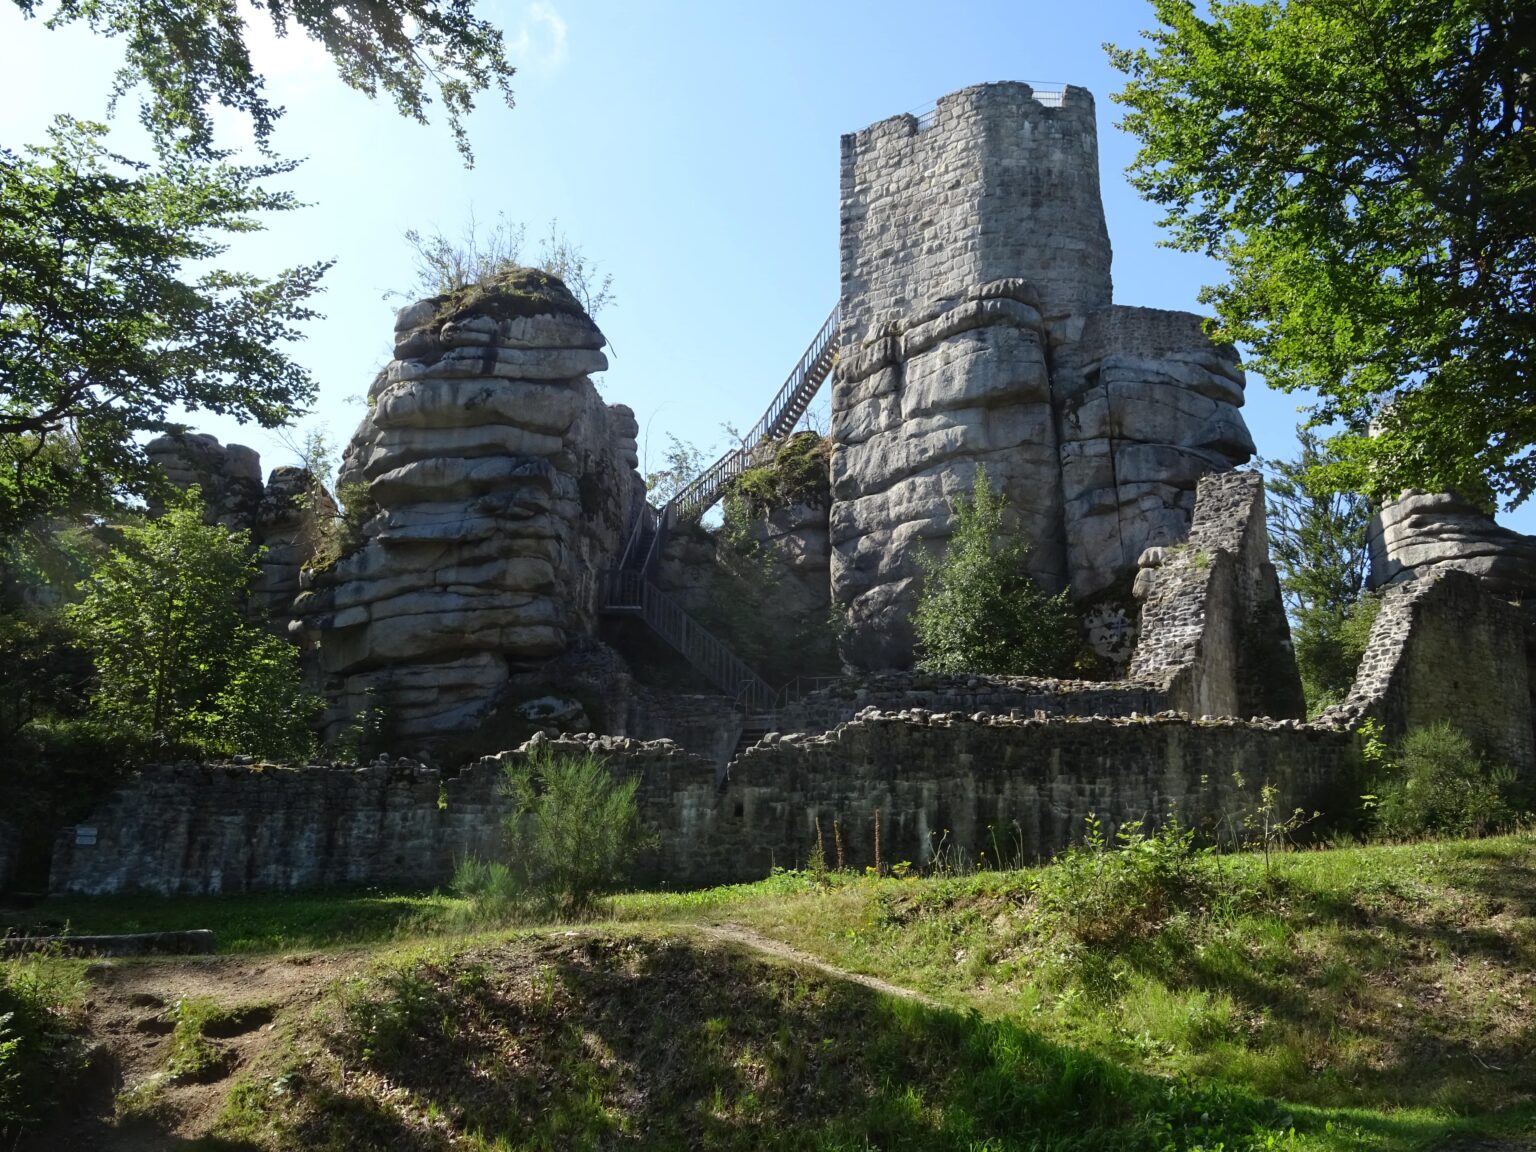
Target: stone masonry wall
{"type": "Point", "coordinates": [1213, 628]}
{"type": "Point", "coordinates": [189, 829]}
{"type": "Point", "coordinates": [1017, 696]}
{"type": "Point", "coordinates": [934, 778]}
{"type": "Point", "coordinates": [1443, 648]}
{"type": "Point", "coordinates": [1020, 788]}
{"type": "Point", "coordinates": [978, 332]}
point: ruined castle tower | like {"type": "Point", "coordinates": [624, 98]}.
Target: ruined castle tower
{"type": "Point", "coordinates": [978, 330]}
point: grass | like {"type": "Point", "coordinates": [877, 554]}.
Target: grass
{"type": "Point", "coordinates": [264, 922]}
{"type": "Point", "coordinates": [1366, 997]}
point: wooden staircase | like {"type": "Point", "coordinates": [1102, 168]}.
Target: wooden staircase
{"type": "Point", "coordinates": [631, 590]}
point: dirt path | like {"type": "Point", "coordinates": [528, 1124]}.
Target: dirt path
{"type": "Point", "coordinates": [747, 938]}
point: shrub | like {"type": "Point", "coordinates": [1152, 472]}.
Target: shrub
{"type": "Point", "coordinates": [1103, 897]}
{"type": "Point", "coordinates": [979, 610]}
{"type": "Point", "coordinates": [571, 837]}
{"type": "Point", "coordinates": [1438, 785]}
{"type": "Point", "coordinates": [39, 1051]}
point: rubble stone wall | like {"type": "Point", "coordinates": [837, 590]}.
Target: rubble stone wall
{"type": "Point", "coordinates": [937, 780]}
{"type": "Point", "coordinates": [1444, 648]}
{"type": "Point", "coordinates": [1213, 629]}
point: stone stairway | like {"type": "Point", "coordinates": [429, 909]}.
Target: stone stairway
{"type": "Point", "coordinates": [631, 590]}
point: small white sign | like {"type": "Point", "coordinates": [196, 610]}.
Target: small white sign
{"type": "Point", "coordinates": [85, 834]}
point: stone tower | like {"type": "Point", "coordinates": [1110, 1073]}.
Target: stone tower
{"type": "Point", "coordinates": [978, 330]}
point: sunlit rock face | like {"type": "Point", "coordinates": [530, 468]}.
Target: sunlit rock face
{"type": "Point", "coordinates": [1151, 407]}
{"type": "Point", "coordinates": [1422, 531]}
{"type": "Point", "coordinates": [979, 332]}
{"type": "Point", "coordinates": [493, 486]}
{"type": "Point", "coordinates": [227, 475]}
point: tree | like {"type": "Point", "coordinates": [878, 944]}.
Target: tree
{"type": "Point", "coordinates": [102, 329]}
{"type": "Point", "coordinates": [1367, 171]}
{"type": "Point", "coordinates": [193, 55]}
{"type": "Point", "coordinates": [1317, 536]}
{"type": "Point", "coordinates": [163, 618]}
{"type": "Point", "coordinates": [979, 610]}
{"type": "Point", "coordinates": [1318, 541]}
{"type": "Point", "coordinates": [682, 462]}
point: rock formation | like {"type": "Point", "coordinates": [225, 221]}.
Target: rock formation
{"type": "Point", "coordinates": [276, 516]}
{"type": "Point", "coordinates": [229, 475]}
{"type": "Point", "coordinates": [978, 330]}
{"type": "Point", "coordinates": [502, 485]}
{"type": "Point", "coordinates": [293, 515]}
{"type": "Point", "coordinates": [1421, 531]}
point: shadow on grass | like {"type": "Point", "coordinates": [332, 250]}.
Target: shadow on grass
{"type": "Point", "coordinates": [1370, 973]}
{"type": "Point", "coordinates": [608, 1042]}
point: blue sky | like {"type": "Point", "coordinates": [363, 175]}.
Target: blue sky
{"type": "Point", "coordinates": [691, 149]}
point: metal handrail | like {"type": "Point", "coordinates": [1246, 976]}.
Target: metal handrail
{"type": "Point", "coordinates": [699, 646]}
{"type": "Point", "coordinates": [630, 586]}
{"type": "Point", "coordinates": [792, 399]}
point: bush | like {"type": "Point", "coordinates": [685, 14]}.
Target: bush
{"type": "Point", "coordinates": [979, 610]}
{"type": "Point", "coordinates": [571, 837]}
{"type": "Point", "coordinates": [1103, 897]}
{"type": "Point", "coordinates": [1438, 785]}
{"type": "Point", "coordinates": [39, 1051]}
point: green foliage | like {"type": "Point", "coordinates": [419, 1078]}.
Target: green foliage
{"type": "Point", "coordinates": [1366, 174]}
{"type": "Point", "coordinates": [979, 610]}
{"type": "Point", "coordinates": [571, 837]}
{"type": "Point", "coordinates": [1329, 646]}
{"type": "Point", "coordinates": [39, 1051]}
{"type": "Point", "coordinates": [1103, 896]}
{"type": "Point", "coordinates": [682, 461]}
{"type": "Point", "coordinates": [194, 1057]}
{"type": "Point", "coordinates": [194, 55]}
{"type": "Point", "coordinates": [1439, 786]}
{"type": "Point", "coordinates": [456, 268]}
{"type": "Point", "coordinates": [163, 618]}
{"type": "Point", "coordinates": [1317, 540]}
{"type": "Point", "coordinates": [797, 472]}
{"type": "Point", "coordinates": [102, 332]}
{"type": "Point", "coordinates": [1316, 534]}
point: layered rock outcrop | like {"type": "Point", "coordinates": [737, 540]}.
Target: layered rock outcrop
{"type": "Point", "coordinates": [978, 330]}
{"type": "Point", "coordinates": [228, 475]}
{"type": "Point", "coordinates": [502, 485]}
{"type": "Point", "coordinates": [286, 519]}
{"type": "Point", "coordinates": [1422, 531]}
{"type": "Point", "coordinates": [1152, 407]}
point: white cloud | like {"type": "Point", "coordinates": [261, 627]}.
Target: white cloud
{"type": "Point", "coordinates": [540, 41]}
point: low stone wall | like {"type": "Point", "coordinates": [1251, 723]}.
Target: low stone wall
{"type": "Point", "coordinates": [938, 781]}
{"type": "Point", "coordinates": [838, 703]}
{"type": "Point", "coordinates": [190, 829]}
{"type": "Point", "coordinates": [1022, 788]}
{"type": "Point", "coordinates": [1444, 648]}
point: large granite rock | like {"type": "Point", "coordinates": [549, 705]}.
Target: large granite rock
{"type": "Point", "coordinates": [288, 519]}
{"type": "Point", "coordinates": [1152, 407]}
{"type": "Point", "coordinates": [503, 484]}
{"type": "Point", "coordinates": [228, 475]}
{"type": "Point", "coordinates": [978, 330]}
{"type": "Point", "coordinates": [1423, 531]}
